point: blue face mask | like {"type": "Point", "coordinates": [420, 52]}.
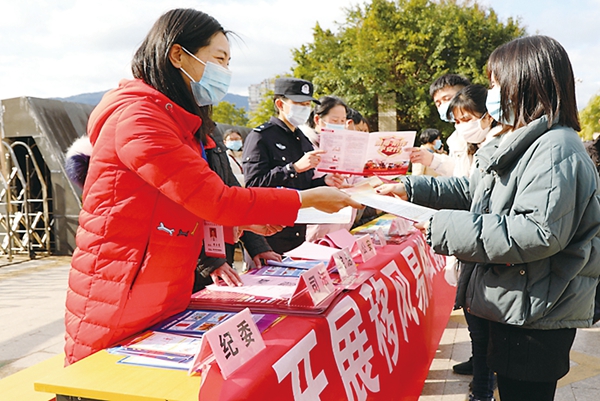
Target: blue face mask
{"type": "Point", "coordinates": [234, 145]}
{"type": "Point", "coordinates": [493, 106]}
{"type": "Point", "coordinates": [443, 110]}
{"type": "Point", "coordinates": [335, 126]}
{"type": "Point", "coordinates": [213, 85]}
{"type": "Point", "coordinates": [437, 144]}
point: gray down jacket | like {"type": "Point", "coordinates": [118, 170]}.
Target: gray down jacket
{"type": "Point", "coordinates": [528, 237]}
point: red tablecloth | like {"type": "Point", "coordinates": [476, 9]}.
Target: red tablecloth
{"type": "Point", "coordinates": [376, 342]}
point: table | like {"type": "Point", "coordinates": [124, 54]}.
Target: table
{"type": "Point", "coordinates": [375, 342]}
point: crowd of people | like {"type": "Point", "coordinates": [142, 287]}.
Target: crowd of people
{"type": "Point", "coordinates": [517, 198]}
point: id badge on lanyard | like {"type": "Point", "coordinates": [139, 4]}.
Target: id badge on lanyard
{"type": "Point", "coordinates": [214, 240]}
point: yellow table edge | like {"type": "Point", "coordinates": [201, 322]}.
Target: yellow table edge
{"type": "Point", "coordinates": [20, 385]}
{"type": "Point", "coordinates": [99, 376]}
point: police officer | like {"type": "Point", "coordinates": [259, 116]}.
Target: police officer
{"type": "Point", "coordinates": [277, 154]}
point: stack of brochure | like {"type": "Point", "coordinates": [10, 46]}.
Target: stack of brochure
{"type": "Point", "coordinates": [270, 289]}
{"type": "Point", "coordinates": [173, 343]}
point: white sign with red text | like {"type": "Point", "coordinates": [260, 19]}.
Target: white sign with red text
{"type": "Point", "coordinates": [318, 283]}
{"type": "Point", "coordinates": [345, 264]}
{"type": "Point", "coordinates": [234, 342]}
{"type": "Point", "coordinates": [365, 247]}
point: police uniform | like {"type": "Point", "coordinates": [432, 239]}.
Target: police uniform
{"type": "Point", "coordinates": [270, 151]}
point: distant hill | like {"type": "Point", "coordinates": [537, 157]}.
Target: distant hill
{"type": "Point", "coordinates": [85, 98]}
{"type": "Point", "coordinates": [94, 98]}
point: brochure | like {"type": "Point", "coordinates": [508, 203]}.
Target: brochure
{"type": "Point", "coordinates": [233, 301]}
{"type": "Point", "coordinates": [196, 323]}
{"type": "Point", "coordinates": [295, 263]}
{"type": "Point", "coordinates": [169, 347]}
{"type": "Point", "coordinates": [279, 271]}
{"type": "Point", "coordinates": [375, 153]}
{"type": "Point", "coordinates": [261, 286]}
{"type": "Point", "coordinates": [192, 322]}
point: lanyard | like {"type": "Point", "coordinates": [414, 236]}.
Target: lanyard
{"type": "Point", "coordinates": [203, 151]}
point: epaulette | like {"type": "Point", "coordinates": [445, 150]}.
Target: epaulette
{"type": "Point", "coordinates": [263, 127]}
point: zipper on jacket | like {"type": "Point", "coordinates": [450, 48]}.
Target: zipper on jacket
{"type": "Point", "coordinates": [139, 269]}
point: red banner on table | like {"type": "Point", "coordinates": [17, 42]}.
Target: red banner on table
{"type": "Point", "coordinates": [376, 342]}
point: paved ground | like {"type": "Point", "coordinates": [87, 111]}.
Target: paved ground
{"type": "Point", "coordinates": [32, 295]}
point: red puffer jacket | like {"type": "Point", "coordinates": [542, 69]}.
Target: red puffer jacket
{"type": "Point", "coordinates": [141, 226]}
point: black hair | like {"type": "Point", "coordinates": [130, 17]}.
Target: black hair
{"type": "Point", "coordinates": [355, 116]}
{"type": "Point", "coordinates": [192, 30]}
{"type": "Point", "coordinates": [428, 135]}
{"type": "Point", "coordinates": [327, 103]}
{"type": "Point", "coordinates": [471, 99]}
{"type": "Point", "coordinates": [535, 78]}
{"type": "Point", "coordinates": [447, 80]}
{"type": "Point", "coordinates": [231, 131]}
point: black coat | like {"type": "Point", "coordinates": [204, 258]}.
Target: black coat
{"type": "Point", "coordinates": [270, 150]}
{"type": "Point", "coordinates": [218, 160]}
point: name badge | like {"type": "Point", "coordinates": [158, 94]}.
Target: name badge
{"type": "Point", "coordinates": [214, 240]}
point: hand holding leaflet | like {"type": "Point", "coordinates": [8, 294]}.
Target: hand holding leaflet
{"type": "Point", "coordinates": [310, 215]}
{"type": "Point", "coordinates": [365, 194]}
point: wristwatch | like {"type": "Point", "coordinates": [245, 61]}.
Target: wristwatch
{"type": "Point", "coordinates": [291, 170]}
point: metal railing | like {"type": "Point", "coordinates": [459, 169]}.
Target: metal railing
{"type": "Point", "coordinates": [25, 219]}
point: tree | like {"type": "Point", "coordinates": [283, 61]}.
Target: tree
{"type": "Point", "coordinates": [399, 48]}
{"type": "Point", "coordinates": [264, 111]}
{"type": "Point", "coordinates": [227, 113]}
{"type": "Point", "coordinates": [590, 118]}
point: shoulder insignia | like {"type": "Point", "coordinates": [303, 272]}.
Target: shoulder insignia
{"type": "Point", "coordinates": [263, 127]}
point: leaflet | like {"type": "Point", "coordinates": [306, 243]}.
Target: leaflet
{"type": "Point", "coordinates": [366, 195]}
{"type": "Point", "coordinates": [375, 153]}
{"type": "Point", "coordinates": [310, 215]}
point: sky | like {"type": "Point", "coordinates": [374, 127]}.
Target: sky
{"type": "Point", "coordinates": [60, 48]}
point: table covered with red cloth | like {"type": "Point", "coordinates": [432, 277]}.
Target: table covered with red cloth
{"type": "Point", "coordinates": [375, 342]}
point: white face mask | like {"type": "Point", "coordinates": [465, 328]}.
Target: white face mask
{"type": "Point", "coordinates": [443, 110]}
{"type": "Point", "coordinates": [298, 114]}
{"type": "Point", "coordinates": [471, 131]}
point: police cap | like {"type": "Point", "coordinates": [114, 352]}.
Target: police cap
{"type": "Point", "coordinates": [298, 90]}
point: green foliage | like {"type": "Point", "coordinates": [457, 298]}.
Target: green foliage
{"type": "Point", "coordinates": [401, 47]}
{"type": "Point", "coordinates": [590, 118]}
{"type": "Point", "coordinates": [264, 111]}
{"type": "Point", "coordinates": [227, 113]}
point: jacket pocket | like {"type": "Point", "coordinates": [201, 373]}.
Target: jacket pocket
{"type": "Point", "coordinates": [499, 293]}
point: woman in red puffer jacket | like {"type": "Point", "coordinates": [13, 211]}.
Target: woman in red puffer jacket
{"type": "Point", "coordinates": [148, 188]}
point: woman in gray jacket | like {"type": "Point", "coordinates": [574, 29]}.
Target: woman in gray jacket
{"type": "Point", "coordinates": [528, 235]}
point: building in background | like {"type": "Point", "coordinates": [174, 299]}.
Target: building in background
{"type": "Point", "coordinates": [256, 92]}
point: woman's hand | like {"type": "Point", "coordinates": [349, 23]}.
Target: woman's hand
{"type": "Point", "coordinates": [227, 274]}
{"type": "Point", "coordinates": [393, 189]}
{"type": "Point", "coordinates": [269, 255]}
{"type": "Point", "coordinates": [422, 226]}
{"type": "Point", "coordinates": [309, 160]}
{"type": "Point", "coordinates": [265, 230]}
{"type": "Point", "coordinates": [422, 156]}
{"type": "Point", "coordinates": [327, 199]}
{"type": "Point", "coordinates": [336, 180]}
